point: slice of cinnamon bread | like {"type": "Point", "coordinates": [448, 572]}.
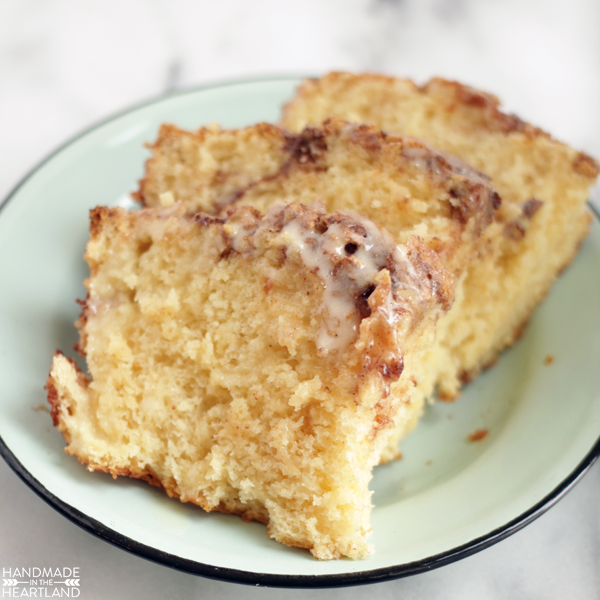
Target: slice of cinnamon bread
{"type": "Point", "coordinates": [544, 185]}
{"type": "Point", "coordinates": [250, 364]}
{"type": "Point", "coordinates": [398, 182]}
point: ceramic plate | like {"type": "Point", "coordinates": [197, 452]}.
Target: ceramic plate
{"type": "Point", "coordinates": [447, 498]}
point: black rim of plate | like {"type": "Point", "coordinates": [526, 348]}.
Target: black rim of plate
{"type": "Point", "coordinates": [268, 579]}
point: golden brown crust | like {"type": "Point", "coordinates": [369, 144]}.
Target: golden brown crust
{"type": "Point", "coordinates": [489, 105]}
{"type": "Point", "coordinates": [543, 181]}
{"type": "Point", "coordinates": [53, 398]}
{"type": "Point", "coordinates": [496, 119]}
{"type": "Point", "coordinates": [99, 216]}
{"type": "Point", "coordinates": [132, 473]}
{"type": "Point", "coordinates": [587, 166]}
{"type": "Point", "coordinates": [489, 117]}
{"type": "Point", "coordinates": [165, 133]}
{"type": "Point", "coordinates": [80, 345]}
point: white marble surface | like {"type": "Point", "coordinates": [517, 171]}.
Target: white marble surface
{"type": "Point", "coordinates": [65, 64]}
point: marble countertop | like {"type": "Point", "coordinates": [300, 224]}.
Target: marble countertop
{"type": "Point", "coordinates": [66, 64]}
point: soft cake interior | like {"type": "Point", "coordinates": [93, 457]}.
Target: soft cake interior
{"type": "Point", "coordinates": [250, 365]}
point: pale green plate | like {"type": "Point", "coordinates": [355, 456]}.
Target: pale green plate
{"type": "Point", "coordinates": [445, 499]}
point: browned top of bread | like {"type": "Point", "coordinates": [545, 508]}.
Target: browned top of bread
{"type": "Point", "coordinates": [542, 181]}
{"type": "Point", "coordinates": [404, 106]}
{"type": "Point", "coordinates": [488, 105]}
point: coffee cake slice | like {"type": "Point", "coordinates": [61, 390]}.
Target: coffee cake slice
{"type": "Point", "coordinates": [544, 186]}
{"type": "Point", "coordinates": [399, 182]}
{"type": "Point", "coordinates": [250, 364]}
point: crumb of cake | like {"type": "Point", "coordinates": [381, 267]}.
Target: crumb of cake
{"type": "Point", "coordinates": [549, 359]}
{"type": "Point", "coordinates": [478, 435]}
{"type": "Point", "coordinates": [166, 199]}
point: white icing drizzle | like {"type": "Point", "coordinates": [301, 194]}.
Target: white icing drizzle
{"type": "Point", "coordinates": [238, 235]}
{"type": "Point", "coordinates": [341, 319]}
{"type": "Point", "coordinates": [346, 252]}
